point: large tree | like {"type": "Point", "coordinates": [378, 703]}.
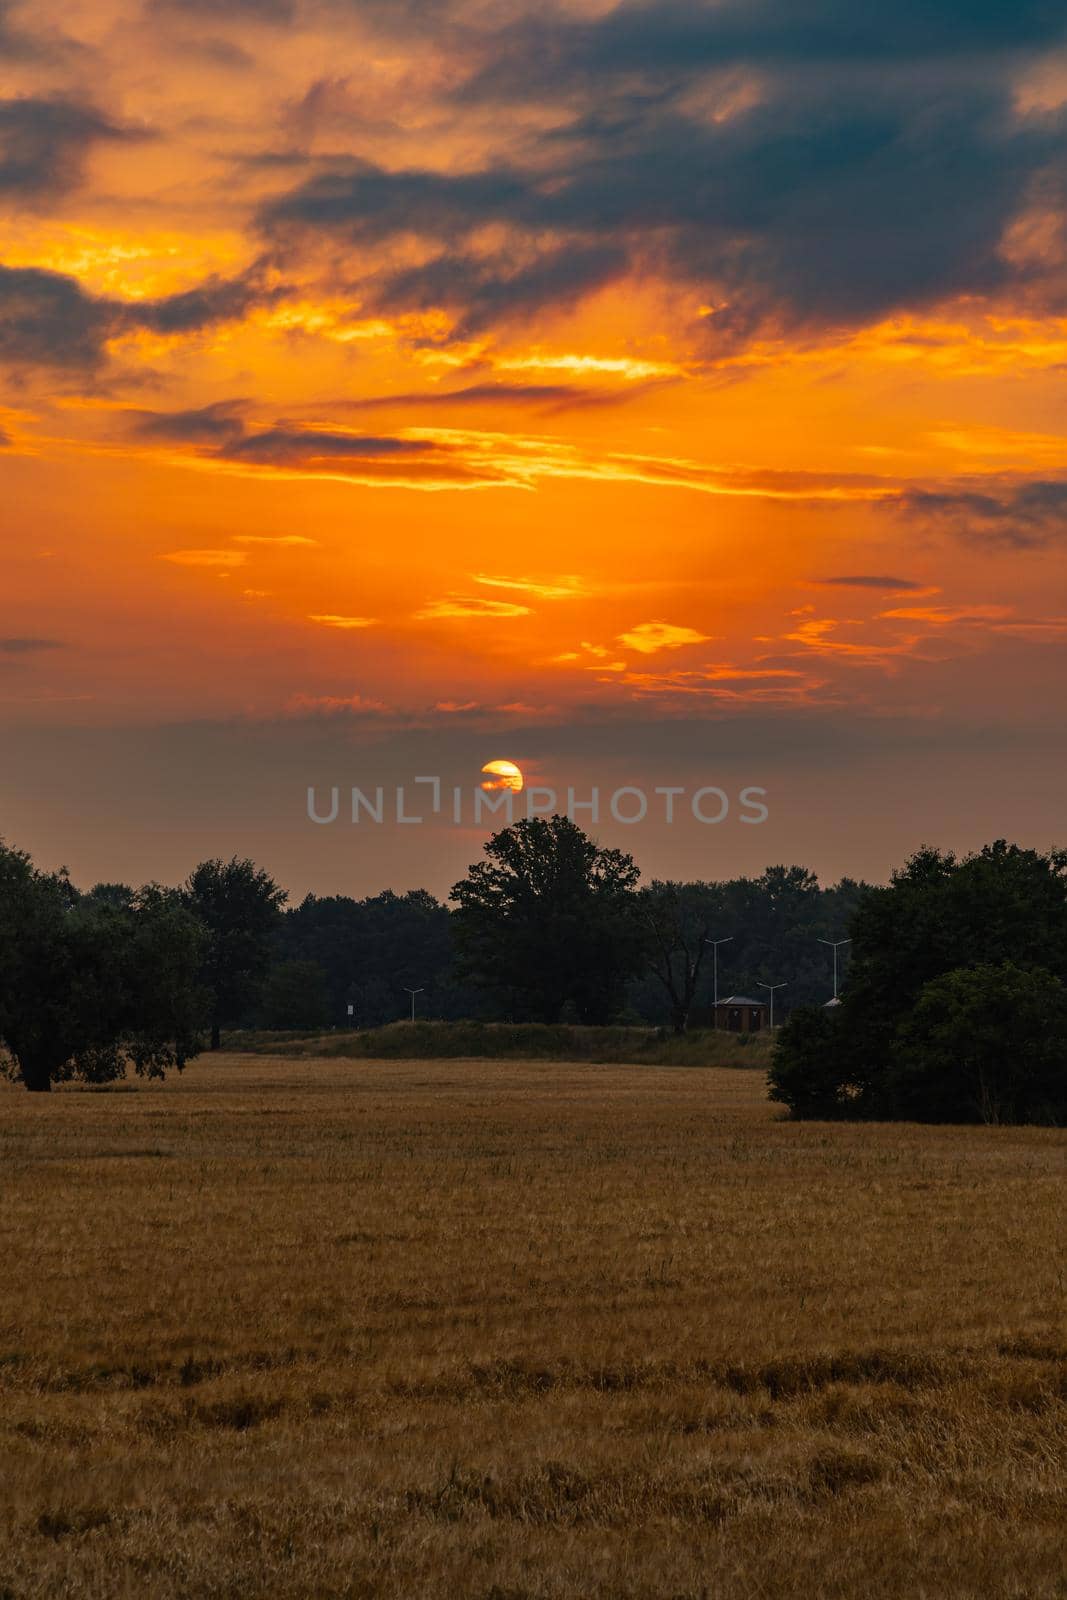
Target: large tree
{"type": "Point", "coordinates": [91, 983]}
{"type": "Point", "coordinates": [938, 916]}
{"type": "Point", "coordinates": [548, 920]}
{"type": "Point", "coordinates": [988, 1044]}
{"type": "Point", "coordinates": [679, 919]}
{"type": "Point", "coordinates": [239, 905]}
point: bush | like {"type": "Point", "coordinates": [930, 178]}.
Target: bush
{"type": "Point", "coordinates": [808, 1071]}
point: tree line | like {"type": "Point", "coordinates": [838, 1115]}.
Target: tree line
{"type": "Point", "coordinates": [549, 926]}
{"type": "Point", "coordinates": [953, 1005]}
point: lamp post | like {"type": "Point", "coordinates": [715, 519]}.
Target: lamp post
{"type": "Point", "coordinates": [835, 946]}
{"type": "Point", "coordinates": [772, 987]}
{"type": "Point", "coordinates": [715, 943]}
{"type": "Point", "coordinates": [412, 993]}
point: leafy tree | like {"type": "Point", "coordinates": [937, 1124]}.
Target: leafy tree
{"type": "Point", "coordinates": [550, 918]}
{"type": "Point", "coordinates": [986, 1043]}
{"type": "Point", "coordinates": [369, 950]}
{"type": "Point", "coordinates": [239, 905]}
{"type": "Point", "coordinates": [295, 995]}
{"type": "Point", "coordinates": [679, 919]}
{"type": "Point", "coordinates": [774, 923]}
{"type": "Point", "coordinates": [809, 1073]}
{"type": "Point", "coordinates": [939, 914]}
{"type": "Point", "coordinates": [89, 984]}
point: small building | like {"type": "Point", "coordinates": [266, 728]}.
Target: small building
{"type": "Point", "coordinates": [739, 1014]}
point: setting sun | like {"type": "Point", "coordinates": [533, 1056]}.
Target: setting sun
{"type": "Point", "coordinates": [502, 775]}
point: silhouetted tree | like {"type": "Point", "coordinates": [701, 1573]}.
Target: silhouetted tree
{"type": "Point", "coordinates": [369, 950]}
{"type": "Point", "coordinates": [678, 919]}
{"type": "Point", "coordinates": [91, 983]}
{"type": "Point", "coordinates": [774, 923]}
{"type": "Point", "coordinates": [985, 1043]}
{"type": "Point", "coordinates": [550, 918]}
{"type": "Point", "coordinates": [294, 995]}
{"type": "Point", "coordinates": [239, 905]}
{"type": "Point", "coordinates": [938, 915]}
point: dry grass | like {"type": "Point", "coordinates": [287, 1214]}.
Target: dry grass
{"type": "Point", "coordinates": [306, 1329]}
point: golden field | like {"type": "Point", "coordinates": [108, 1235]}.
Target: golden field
{"type": "Point", "coordinates": [512, 1330]}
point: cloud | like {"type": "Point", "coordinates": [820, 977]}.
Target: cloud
{"type": "Point", "coordinates": [215, 300]}
{"type": "Point", "coordinates": [334, 705]}
{"type": "Point", "coordinates": [275, 12]}
{"type": "Point", "coordinates": [942, 616]}
{"type": "Point", "coordinates": [44, 144]}
{"type": "Point", "coordinates": [306, 446]}
{"type": "Point", "coordinates": [648, 637]}
{"type": "Point", "coordinates": [657, 41]}
{"type": "Point", "coordinates": [727, 685]}
{"type": "Point", "coordinates": [483, 293]}
{"type": "Point", "coordinates": [211, 424]}
{"type": "Point", "coordinates": [814, 635]}
{"type": "Point", "coordinates": [868, 581]}
{"type": "Point", "coordinates": [554, 395]}
{"type": "Point", "coordinates": [281, 539]}
{"type": "Point", "coordinates": [48, 320]}
{"type": "Point", "coordinates": [469, 606]}
{"type": "Point", "coordinates": [770, 155]}
{"type": "Point", "coordinates": [27, 644]}
{"type": "Point", "coordinates": [206, 558]}
{"type": "Point", "coordinates": [568, 588]}
{"type": "Point", "coordinates": [1015, 515]}
{"type": "Point", "coordinates": [330, 619]}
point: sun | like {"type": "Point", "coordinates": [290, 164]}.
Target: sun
{"type": "Point", "coordinates": [502, 775]}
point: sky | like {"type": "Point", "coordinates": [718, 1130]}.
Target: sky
{"type": "Point", "coordinates": [657, 395]}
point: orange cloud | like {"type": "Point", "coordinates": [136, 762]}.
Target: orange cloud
{"type": "Point", "coordinates": [469, 607]}
{"type": "Point", "coordinates": [649, 637]}
{"type": "Point", "coordinates": [206, 558]}
{"type": "Point", "coordinates": [331, 620]}
{"type": "Point", "coordinates": [555, 589]}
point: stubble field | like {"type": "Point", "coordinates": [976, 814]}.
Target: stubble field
{"type": "Point", "coordinates": [504, 1330]}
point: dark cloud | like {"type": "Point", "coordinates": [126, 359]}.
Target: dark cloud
{"type": "Point", "coordinates": [45, 45]}
{"type": "Point", "coordinates": [215, 300]}
{"type": "Point", "coordinates": [545, 54]}
{"type": "Point", "coordinates": [277, 12]}
{"type": "Point", "coordinates": [841, 192]}
{"type": "Point", "coordinates": [476, 394]}
{"type": "Point", "coordinates": [219, 52]}
{"type": "Point", "coordinates": [44, 142]}
{"type": "Point", "coordinates": [25, 645]}
{"type": "Point", "coordinates": [48, 320]}
{"type": "Point", "coordinates": [366, 203]}
{"type": "Point", "coordinates": [213, 424]}
{"type": "Point", "coordinates": [867, 581]}
{"type": "Point", "coordinates": [277, 446]}
{"type": "Point", "coordinates": [1014, 515]}
{"type": "Point", "coordinates": [486, 292]}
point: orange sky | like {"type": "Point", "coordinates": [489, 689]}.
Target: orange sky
{"type": "Point", "coordinates": [360, 385]}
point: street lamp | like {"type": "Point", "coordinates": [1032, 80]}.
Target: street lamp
{"type": "Point", "coordinates": [772, 987]}
{"type": "Point", "coordinates": [715, 943]}
{"type": "Point", "coordinates": [835, 946]}
{"type": "Point", "coordinates": [413, 993]}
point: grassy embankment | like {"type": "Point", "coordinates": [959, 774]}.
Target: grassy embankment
{"type": "Point", "coordinates": [505, 1041]}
